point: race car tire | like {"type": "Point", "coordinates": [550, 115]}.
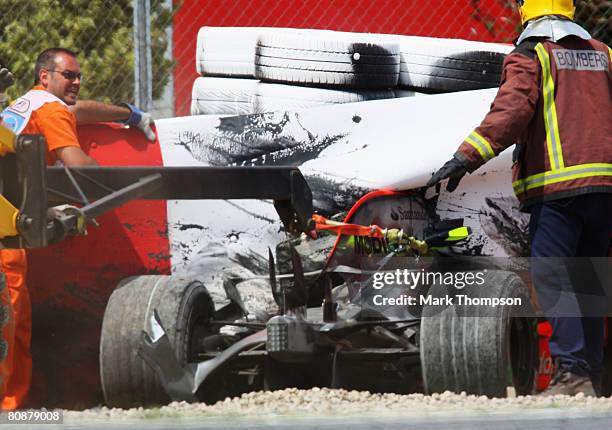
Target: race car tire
{"type": "Point", "coordinates": [484, 349]}
{"type": "Point", "coordinates": [127, 381]}
{"type": "Point", "coordinates": [220, 96]}
{"type": "Point", "coordinates": [326, 62]}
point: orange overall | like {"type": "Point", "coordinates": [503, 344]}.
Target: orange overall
{"type": "Point", "coordinates": [7, 333]}
{"type": "Point", "coordinates": [17, 366]}
{"type": "Point", "coordinates": [58, 125]}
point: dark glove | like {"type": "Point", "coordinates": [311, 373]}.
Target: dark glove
{"type": "Point", "coordinates": [453, 169]}
{"type": "Point", "coordinates": [140, 119]}
{"type": "Point", "coordinates": [6, 80]}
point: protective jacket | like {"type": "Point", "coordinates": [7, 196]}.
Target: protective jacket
{"type": "Point", "coordinates": [555, 103]}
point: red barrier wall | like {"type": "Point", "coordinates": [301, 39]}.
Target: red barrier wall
{"type": "Point", "coordinates": [484, 20]}
{"type": "Point", "coordinates": [71, 282]}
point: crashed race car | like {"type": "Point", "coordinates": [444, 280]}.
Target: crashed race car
{"type": "Point", "coordinates": [229, 320]}
{"type": "Point", "coordinates": [234, 317]}
{"type": "Point", "coordinates": [331, 326]}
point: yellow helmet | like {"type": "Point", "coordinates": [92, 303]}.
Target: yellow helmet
{"type": "Point", "coordinates": [531, 9]}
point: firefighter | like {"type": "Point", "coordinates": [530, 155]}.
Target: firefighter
{"type": "Point", "coordinates": [49, 109]}
{"type": "Point", "coordinates": [554, 102]}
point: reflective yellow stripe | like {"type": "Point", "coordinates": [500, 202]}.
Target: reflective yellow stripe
{"type": "Point", "coordinates": [481, 145]}
{"type": "Point", "coordinates": [555, 154]}
{"type": "Point", "coordinates": [562, 175]}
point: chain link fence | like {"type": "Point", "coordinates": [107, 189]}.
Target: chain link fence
{"type": "Point", "coordinates": [101, 32]}
{"type": "Point", "coordinates": [109, 40]}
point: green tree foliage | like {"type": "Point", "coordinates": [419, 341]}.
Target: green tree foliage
{"type": "Point", "coordinates": [99, 31]}
{"type": "Point", "coordinates": [596, 16]}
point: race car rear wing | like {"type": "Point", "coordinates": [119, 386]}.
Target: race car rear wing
{"type": "Point", "coordinates": [37, 191]}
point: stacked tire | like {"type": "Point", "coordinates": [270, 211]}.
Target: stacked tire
{"type": "Point", "coordinates": [256, 70]}
{"type": "Point", "coordinates": [437, 65]}
{"type": "Point", "coordinates": [217, 95]}
{"type": "Point", "coordinates": [327, 62]}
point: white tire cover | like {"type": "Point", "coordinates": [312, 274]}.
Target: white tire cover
{"type": "Point", "coordinates": [427, 63]}
{"type": "Point", "coordinates": [230, 51]}
{"type": "Point", "coordinates": [333, 59]}
{"type": "Point", "coordinates": [446, 65]}
{"type": "Point", "coordinates": [233, 96]}
{"type": "Point", "coordinates": [220, 96]}
{"type": "Point", "coordinates": [274, 97]}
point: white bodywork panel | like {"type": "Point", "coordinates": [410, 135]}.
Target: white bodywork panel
{"type": "Point", "coordinates": [343, 151]}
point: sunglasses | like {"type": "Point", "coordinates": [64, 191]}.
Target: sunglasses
{"type": "Point", "coordinates": [68, 74]}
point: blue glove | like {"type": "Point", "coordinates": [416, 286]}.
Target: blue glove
{"type": "Point", "coordinates": [140, 119]}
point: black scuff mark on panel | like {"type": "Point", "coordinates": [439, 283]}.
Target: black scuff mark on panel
{"type": "Point", "coordinates": [503, 222]}
{"type": "Point", "coordinates": [295, 153]}
{"type": "Point", "coordinates": [332, 196]}
{"type": "Point", "coordinates": [190, 140]}
{"type": "Point", "coordinates": [128, 226]}
{"type": "Point", "coordinates": [256, 140]}
{"type": "Point", "coordinates": [474, 246]}
{"type": "Point", "coordinates": [311, 137]}
{"type": "Point", "coordinates": [253, 126]}
{"type": "Point", "coordinates": [185, 227]}
{"type": "Point", "coordinates": [251, 261]}
{"type": "Point", "coordinates": [251, 213]}
{"type": "Point", "coordinates": [185, 250]}
{"type": "Point", "coordinates": [356, 119]}
{"type": "Point", "coordinates": [274, 139]}
{"type": "Point", "coordinates": [453, 207]}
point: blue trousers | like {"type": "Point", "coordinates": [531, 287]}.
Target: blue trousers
{"type": "Point", "coordinates": [578, 226]}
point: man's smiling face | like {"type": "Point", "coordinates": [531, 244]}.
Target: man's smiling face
{"type": "Point", "coordinates": [57, 83]}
